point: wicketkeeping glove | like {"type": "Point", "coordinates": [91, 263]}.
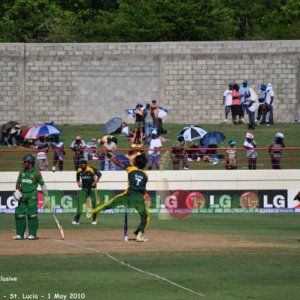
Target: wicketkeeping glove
{"type": "Point", "coordinates": [17, 195]}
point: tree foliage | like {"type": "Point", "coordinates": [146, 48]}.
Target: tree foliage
{"type": "Point", "coordinates": [147, 21]}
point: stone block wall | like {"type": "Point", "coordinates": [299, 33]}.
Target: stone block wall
{"type": "Point", "coordinates": [90, 83]}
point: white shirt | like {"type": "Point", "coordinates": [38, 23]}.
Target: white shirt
{"type": "Point", "coordinates": [228, 97]}
{"type": "Point", "coordinates": [269, 95]}
{"type": "Point", "coordinates": [154, 143]}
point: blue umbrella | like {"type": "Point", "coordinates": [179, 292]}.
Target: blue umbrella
{"type": "Point", "coordinates": [213, 138]}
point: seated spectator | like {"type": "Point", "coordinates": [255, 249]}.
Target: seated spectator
{"type": "Point", "coordinates": [194, 153]}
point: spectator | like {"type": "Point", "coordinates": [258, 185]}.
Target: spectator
{"type": "Point", "coordinates": [109, 146]}
{"type": "Point", "coordinates": [139, 122]}
{"type": "Point", "coordinates": [227, 101]}
{"type": "Point", "coordinates": [268, 112]}
{"type": "Point", "coordinates": [245, 95]}
{"type": "Point", "coordinates": [58, 153]}
{"type": "Point", "coordinates": [262, 104]}
{"type": "Point", "coordinates": [155, 110]}
{"type": "Point", "coordinates": [179, 153]}
{"type": "Point", "coordinates": [194, 153]}
{"type": "Point", "coordinates": [251, 108]}
{"type": "Point", "coordinates": [212, 153]}
{"type": "Point", "coordinates": [250, 145]}
{"type": "Point", "coordinates": [91, 150]}
{"type": "Point", "coordinates": [231, 159]}
{"type": "Point", "coordinates": [78, 147]}
{"type": "Point", "coordinates": [154, 151]}
{"type": "Point", "coordinates": [236, 105]}
{"type": "Point", "coordinates": [43, 147]}
{"type": "Point", "coordinates": [149, 124]}
{"type": "Point", "coordinates": [275, 150]}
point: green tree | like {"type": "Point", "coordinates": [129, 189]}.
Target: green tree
{"type": "Point", "coordinates": [36, 21]}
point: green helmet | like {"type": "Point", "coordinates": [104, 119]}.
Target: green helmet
{"type": "Point", "coordinates": [29, 158]}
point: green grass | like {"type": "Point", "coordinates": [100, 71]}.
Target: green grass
{"type": "Point", "coordinates": [10, 160]}
{"type": "Point", "coordinates": [240, 273]}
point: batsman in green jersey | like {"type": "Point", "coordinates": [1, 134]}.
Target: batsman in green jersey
{"type": "Point", "coordinates": [27, 195]}
{"type": "Point", "coordinates": [133, 196]}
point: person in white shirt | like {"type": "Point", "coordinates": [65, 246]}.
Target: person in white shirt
{"type": "Point", "coordinates": [227, 101]}
{"type": "Point", "coordinates": [154, 151]}
{"type": "Point", "coordinates": [269, 105]}
{"type": "Point", "coordinates": [250, 145]}
{"type": "Point", "coordinates": [251, 108]}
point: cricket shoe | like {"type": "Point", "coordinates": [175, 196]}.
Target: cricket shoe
{"type": "Point", "coordinates": [140, 237]}
{"type": "Point", "coordinates": [74, 222]}
{"type": "Point", "coordinates": [18, 237]}
{"type": "Point", "coordinates": [94, 223]}
{"type": "Point", "coordinates": [32, 237]}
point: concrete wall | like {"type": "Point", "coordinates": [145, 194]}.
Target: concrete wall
{"type": "Point", "coordinates": [90, 83]}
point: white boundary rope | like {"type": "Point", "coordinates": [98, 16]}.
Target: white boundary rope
{"type": "Point", "coordinates": [132, 267]}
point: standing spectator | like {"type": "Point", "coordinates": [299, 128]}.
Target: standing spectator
{"type": "Point", "coordinates": [139, 122]}
{"type": "Point", "coordinates": [148, 119]}
{"type": "Point", "coordinates": [78, 147]}
{"type": "Point", "coordinates": [43, 147]}
{"type": "Point", "coordinates": [58, 153]}
{"type": "Point", "coordinates": [87, 178]}
{"type": "Point", "coordinates": [268, 112]}
{"type": "Point", "coordinates": [227, 101]}
{"type": "Point", "coordinates": [262, 105]}
{"type": "Point", "coordinates": [231, 159]}
{"type": "Point", "coordinates": [275, 150]}
{"type": "Point", "coordinates": [178, 154]}
{"type": "Point", "coordinates": [155, 110]}
{"type": "Point", "coordinates": [154, 151]}
{"type": "Point", "coordinates": [236, 105]}
{"type": "Point", "coordinates": [27, 196]}
{"type": "Point", "coordinates": [91, 150]}
{"type": "Point", "coordinates": [250, 145]}
{"type": "Point", "coordinates": [245, 95]}
{"type": "Point", "coordinates": [251, 108]}
{"type": "Point", "coordinates": [109, 146]}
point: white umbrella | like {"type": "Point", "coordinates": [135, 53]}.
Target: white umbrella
{"type": "Point", "coordinates": [192, 132]}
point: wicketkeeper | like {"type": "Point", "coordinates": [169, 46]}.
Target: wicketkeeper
{"type": "Point", "coordinates": [27, 195]}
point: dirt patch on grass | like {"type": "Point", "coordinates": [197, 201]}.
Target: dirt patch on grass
{"type": "Point", "coordinates": [85, 241]}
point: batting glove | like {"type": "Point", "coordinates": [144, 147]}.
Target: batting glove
{"type": "Point", "coordinates": [17, 195]}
